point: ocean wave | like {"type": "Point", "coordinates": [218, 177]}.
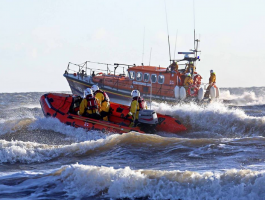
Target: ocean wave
{"type": "Point", "coordinates": [128, 145]}
{"type": "Point", "coordinates": [20, 113]}
{"type": "Point", "coordinates": [101, 182]}
{"type": "Point", "coordinates": [32, 152]}
{"type": "Point", "coordinates": [55, 125]}
{"type": "Point", "coordinates": [214, 120]}
{"type": "Point", "coordinates": [244, 98]}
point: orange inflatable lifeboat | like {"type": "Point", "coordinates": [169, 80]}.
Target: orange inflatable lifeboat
{"type": "Point", "coordinates": [64, 107]}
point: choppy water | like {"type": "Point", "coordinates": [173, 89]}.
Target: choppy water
{"type": "Point", "coordinates": [221, 156]}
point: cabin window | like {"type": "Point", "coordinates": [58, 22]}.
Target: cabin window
{"type": "Point", "coordinates": [153, 78]}
{"type": "Point", "coordinates": [146, 77]}
{"type": "Point", "coordinates": [139, 76]}
{"type": "Point", "coordinates": [131, 75]}
{"type": "Point", "coordinates": [161, 79]}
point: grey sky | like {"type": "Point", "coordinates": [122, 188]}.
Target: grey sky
{"type": "Point", "coordinates": [39, 38]}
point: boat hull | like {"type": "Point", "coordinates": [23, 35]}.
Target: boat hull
{"type": "Point", "coordinates": [78, 86]}
{"type": "Point", "coordinates": [61, 106]}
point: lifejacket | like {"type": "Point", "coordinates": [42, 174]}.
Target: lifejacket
{"type": "Point", "coordinates": [212, 78]}
{"type": "Point", "coordinates": [91, 103]}
{"type": "Point", "coordinates": [106, 97]}
{"type": "Point", "coordinates": [142, 104]}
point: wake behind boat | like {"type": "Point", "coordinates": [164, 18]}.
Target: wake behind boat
{"type": "Point", "coordinates": [159, 83]}
{"type": "Point", "coordinates": [65, 107]}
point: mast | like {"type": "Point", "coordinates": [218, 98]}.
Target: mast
{"type": "Point", "coordinates": [167, 34]}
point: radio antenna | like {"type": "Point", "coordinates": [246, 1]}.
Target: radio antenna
{"type": "Point", "coordinates": [194, 21]}
{"type": "Point", "coordinates": [175, 45]}
{"type": "Point", "coordinates": [167, 33]}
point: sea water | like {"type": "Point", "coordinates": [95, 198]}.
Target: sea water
{"type": "Point", "coordinates": [220, 156]}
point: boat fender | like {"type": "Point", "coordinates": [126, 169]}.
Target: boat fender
{"type": "Point", "coordinates": [217, 92]}
{"type": "Point", "coordinates": [176, 92]}
{"type": "Point", "coordinates": [212, 93]}
{"type": "Point", "coordinates": [182, 93]}
{"type": "Point", "coordinates": [200, 94]}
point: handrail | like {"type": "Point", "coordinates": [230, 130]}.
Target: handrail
{"type": "Point", "coordinates": [84, 66]}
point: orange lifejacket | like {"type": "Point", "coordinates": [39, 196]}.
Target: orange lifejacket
{"type": "Point", "coordinates": [91, 103]}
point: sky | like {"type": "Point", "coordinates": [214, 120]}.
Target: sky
{"type": "Point", "coordinates": [39, 38]}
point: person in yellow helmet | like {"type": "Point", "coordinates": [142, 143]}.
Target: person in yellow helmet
{"type": "Point", "coordinates": [212, 81]}
{"type": "Point", "coordinates": [103, 101]}
{"type": "Point", "coordinates": [137, 104]}
{"type": "Point", "coordinates": [89, 106]}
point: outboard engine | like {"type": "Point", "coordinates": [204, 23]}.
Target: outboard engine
{"type": "Point", "coordinates": [147, 120]}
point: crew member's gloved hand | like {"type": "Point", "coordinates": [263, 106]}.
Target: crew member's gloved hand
{"type": "Point", "coordinates": [128, 117]}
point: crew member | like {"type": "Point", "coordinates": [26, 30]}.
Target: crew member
{"type": "Point", "coordinates": [137, 104]}
{"type": "Point", "coordinates": [187, 82]}
{"type": "Point", "coordinates": [190, 68]}
{"type": "Point", "coordinates": [212, 81]}
{"type": "Point", "coordinates": [173, 67]}
{"type": "Point", "coordinates": [89, 105]}
{"type": "Point", "coordinates": [103, 102]}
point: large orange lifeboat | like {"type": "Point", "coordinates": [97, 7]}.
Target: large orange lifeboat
{"type": "Point", "coordinates": [64, 107]}
{"type": "Point", "coordinates": [155, 82]}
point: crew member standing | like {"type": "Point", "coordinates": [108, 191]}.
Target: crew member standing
{"type": "Point", "coordinates": [187, 82]}
{"type": "Point", "coordinates": [190, 68]}
{"type": "Point", "coordinates": [212, 81]}
{"type": "Point", "coordinates": [173, 67]}
{"type": "Point", "coordinates": [89, 105]}
{"type": "Point", "coordinates": [137, 104]}
{"type": "Point", "coordinates": [103, 101]}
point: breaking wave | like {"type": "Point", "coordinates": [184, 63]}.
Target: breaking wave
{"type": "Point", "coordinates": [214, 120]}
{"type": "Point", "coordinates": [243, 98]}
{"type": "Point", "coordinates": [101, 182]}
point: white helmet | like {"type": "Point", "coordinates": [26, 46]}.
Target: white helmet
{"type": "Point", "coordinates": [135, 93]}
{"type": "Point", "coordinates": [88, 91]}
{"type": "Point", "coordinates": [94, 88]}
{"type": "Point", "coordinates": [188, 74]}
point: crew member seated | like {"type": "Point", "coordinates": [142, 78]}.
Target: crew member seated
{"type": "Point", "coordinates": [103, 102]}
{"type": "Point", "coordinates": [187, 82]}
{"type": "Point", "coordinates": [137, 104]}
{"type": "Point", "coordinates": [212, 81]}
{"type": "Point", "coordinates": [89, 105]}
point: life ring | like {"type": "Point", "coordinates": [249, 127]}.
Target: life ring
{"type": "Point", "coordinates": [193, 91]}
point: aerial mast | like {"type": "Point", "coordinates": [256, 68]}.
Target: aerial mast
{"type": "Point", "coordinates": [167, 33]}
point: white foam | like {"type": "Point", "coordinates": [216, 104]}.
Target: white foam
{"type": "Point", "coordinates": [82, 180]}
{"type": "Point", "coordinates": [215, 118]}
{"type": "Point", "coordinates": [79, 134]}
{"type": "Point", "coordinates": [30, 152]}
{"type": "Point", "coordinates": [246, 98]}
